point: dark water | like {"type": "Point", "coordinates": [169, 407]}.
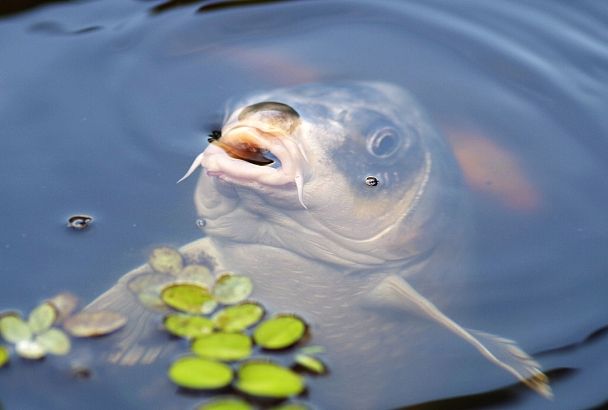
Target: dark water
{"type": "Point", "coordinates": [103, 105]}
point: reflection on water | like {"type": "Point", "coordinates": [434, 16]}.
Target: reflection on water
{"type": "Point", "coordinates": [105, 123]}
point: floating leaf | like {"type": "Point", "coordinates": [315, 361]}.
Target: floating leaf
{"type": "Point", "coordinates": [279, 332]}
{"type": "Point", "coordinates": [42, 318]}
{"type": "Point", "coordinates": [64, 303]}
{"type": "Point", "coordinates": [197, 373]}
{"type": "Point", "coordinates": [54, 341]}
{"type": "Point", "coordinates": [29, 349]}
{"type": "Point", "coordinates": [238, 318]}
{"type": "Point", "coordinates": [223, 346]}
{"type": "Point", "coordinates": [166, 260]}
{"type": "Point", "coordinates": [14, 329]}
{"type": "Point", "coordinates": [231, 289]}
{"type": "Point", "coordinates": [4, 355]}
{"type": "Point", "coordinates": [310, 363]}
{"type": "Point", "coordinates": [188, 326]}
{"type": "Point", "coordinates": [188, 297]}
{"type": "Point", "coordinates": [260, 378]}
{"type": "Point", "coordinates": [90, 324]}
{"type": "Point", "coordinates": [198, 274]}
{"type": "Point", "coordinates": [226, 403]}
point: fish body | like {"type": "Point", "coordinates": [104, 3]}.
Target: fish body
{"type": "Point", "coordinates": [335, 199]}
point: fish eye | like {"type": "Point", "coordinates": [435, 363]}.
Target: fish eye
{"type": "Point", "coordinates": [384, 143]}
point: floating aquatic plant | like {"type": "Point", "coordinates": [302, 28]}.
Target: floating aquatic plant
{"type": "Point", "coordinates": [230, 289]}
{"type": "Point", "coordinates": [187, 326]}
{"type": "Point", "coordinates": [267, 379]}
{"type": "Point", "coordinates": [166, 260]}
{"type": "Point", "coordinates": [279, 332]}
{"type": "Point", "coordinates": [223, 346]}
{"type": "Point", "coordinates": [188, 297]}
{"type": "Point", "coordinates": [35, 338]}
{"type": "Point", "coordinates": [310, 363]}
{"type": "Point", "coordinates": [226, 403]}
{"type": "Point", "coordinates": [197, 373]}
{"type": "Point", "coordinates": [238, 317]}
{"type": "Point", "coordinates": [4, 356]}
{"type": "Point", "coordinates": [92, 324]}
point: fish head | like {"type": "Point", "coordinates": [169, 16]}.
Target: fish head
{"type": "Point", "coordinates": [348, 173]}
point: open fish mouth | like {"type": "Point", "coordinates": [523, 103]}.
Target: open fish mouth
{"type": "Point", "coordinates": [246, 154]}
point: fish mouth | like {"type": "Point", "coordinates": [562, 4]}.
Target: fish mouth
{"type": "Point", "coordinates": [250, 155]}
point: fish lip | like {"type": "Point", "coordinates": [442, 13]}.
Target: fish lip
{"type": "Point", "coordinates": [218, 163]}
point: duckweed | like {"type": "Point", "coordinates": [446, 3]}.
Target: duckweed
{"type": "Point", "coordinates": [166, 260]}
{"type": "Point", "coordinates": [223, 346]}
{"type": "Point", "coordinates": [266, 379]}
{"type": "Point", "coordinates": [91, 324]}
{"type": "Point", "coordinates": [188, 297]}
{"type": "Point", "coordinates": [4, 355]}
{"type": "Point", "coordinates": [230, 289]}
{"type": "Point", "coordinates": [14, 329]}
{"type": "Point", "coordinates": [196, 373]}
{"type": "Point", "coordinates": [42, 318]}
{"type": "Point", "coordinates": [226, 403]}
{"type": "Point", "coordinates": [310, 363]}
{"type": "Point", "coordinates": [279, 332]}
{"type": "Point", "coordinates": [54, 341]}
{"type": "Point", "coordinates": [239, 317]}
{"type": "Point", "coordinates": [187, 326]}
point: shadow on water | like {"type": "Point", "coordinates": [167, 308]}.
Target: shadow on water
{"type": "Point", "coordinates": [507, 396]}
{"type": "Point", "coordinates": [11, 7]}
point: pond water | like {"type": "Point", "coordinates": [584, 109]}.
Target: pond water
{"type": "Point", "coordinates": [104, 104]}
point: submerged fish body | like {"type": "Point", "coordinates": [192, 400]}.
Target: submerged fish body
{"type": "Point", "coordinates": [332, 198]}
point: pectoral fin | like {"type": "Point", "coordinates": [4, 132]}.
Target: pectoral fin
{"type": "Point", "coordinates": [500, 351]}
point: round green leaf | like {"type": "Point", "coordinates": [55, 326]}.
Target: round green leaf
{"type": "Point", "coordinates": [29, 349]}
{"type": "Point", "coordinates": [231, 289]}
{"type": "Point", "coordinates": [196, 373]}
{"type": "Point", "coordinates": [223, 346]}
{"type": "Point", "coordinates": [54, 341]}
{"type": "Point", "coordinates": [91, 324]}
{"type": "Point", "coordinates": [239, 317]}
{"type": "Point", "coordinates": [279, 332]}
{"type": "Point", "coordinates": [198, 274]}
{"type": "Point", "coordinates": [267, 379]}
{"type": "Point", "coordinates": [42, 318]}
{"type": "Point", "coordinates": [4, 355]}
{"type": "Point", "coordinates": [166, 260]}
{"type": "Point", "coordinates": [226, 403]}
{"type": "Point", "coordinates": [14, 329]}
{"type": "Point", "coordinates": [188, 297]}
{"type": "Point", "coordinates": [187, 326]}
{"type": "Point", "coordinates": [310, 363]}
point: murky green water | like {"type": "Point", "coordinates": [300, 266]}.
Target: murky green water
{"type": "Point", "coordinates": [103, 105]}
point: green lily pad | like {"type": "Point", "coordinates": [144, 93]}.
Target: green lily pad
{"type": "Point", "coordinates": [4, 355]}
{"type": "Point", "coordinates": [279, 332]}
{"type": "Point", "coordinates": [64, 303]}
{"type": "Point", "coordinates": [187, 326]}
{"type": "Point", "coordinates": [42, 318]}
{"type": "Point", "coordinates": [226, 403]}
{"type": "Point", "coordinates": [223, 346]}
{"type": "Point", "coordinates": [166, 260]}
{"type": "Point", "coordinates": [198, 274]}
{"type": "Point", "coordinates": [29, 349]}
{"type": "Point", "coordinates": [91, 324]}
{"type": "Point", "coordinates": [54, 341]}
{"type": "Point", "coordinates": [230, 289]}
{"type": "Point", "coordinates": [14, 329]}
{"type": "Point", "coordinates": [239, 317]}
{"type": "Point", "coordinates": [310, 363]}
{"type": "Point", "coordinates": [196, 373]}
{"type": "Point", "coordinates": [188, 297]}
{"type": "Point", "coordinates": [260, 378]}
